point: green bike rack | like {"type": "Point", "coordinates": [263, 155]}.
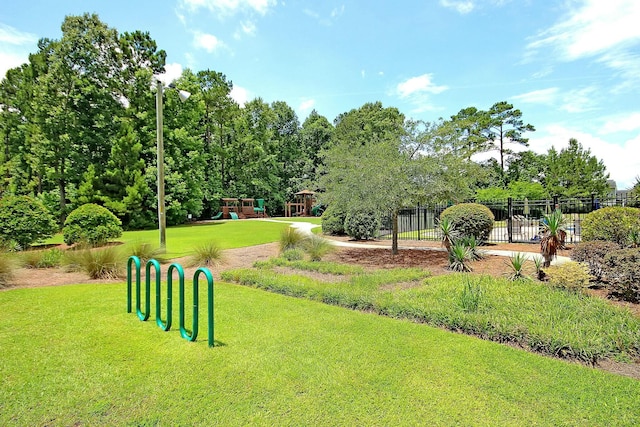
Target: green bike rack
{"type": "Point", "coordinates": [172, 267]}
{"type": "Point", "coordinates": [166, 326]}
{"type": "Point", "coordinates": [132, 260]}
{"type": "Point", "coordinates": [194, 330]}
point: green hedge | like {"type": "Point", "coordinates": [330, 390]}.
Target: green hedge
{"type": "Point", "coordinates": [25, 220]}
{"type": "Point", "coordinates": [470, 219]}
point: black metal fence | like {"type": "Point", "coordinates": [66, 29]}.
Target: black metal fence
{"type": "Point", "coordinates": [516, 221]}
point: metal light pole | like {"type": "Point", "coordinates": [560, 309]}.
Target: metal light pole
{"type": "Point", "coordinates": [162, 220]}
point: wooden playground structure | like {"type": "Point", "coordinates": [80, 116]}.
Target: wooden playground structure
{"type": "Point", "coordinates": [303, 204]}
{"type": "Point", "coordinates": [233, 208]}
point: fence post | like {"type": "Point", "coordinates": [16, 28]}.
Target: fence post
{"type": "Point", "coordinates": [418, 218]}
{"type": "Point", "coordinates": [510, 219]}
{"type": "Point", "coordinates": [593, 202]}
{"type": "Point", "coordinates": [556, 204]}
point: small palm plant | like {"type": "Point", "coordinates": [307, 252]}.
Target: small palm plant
{"type": "Point", "coordinates": [474, 247]}
{"type": "Point", "coordinates": [516, 264]}
{"type": "Point", "coordinates": [537, 263]}
{"type": "Point", "coordinates": [448, 232]}
{"type": "Point", "coordinates": [459, 257]}
{"type": "Point", "coordinates": [553, 236]}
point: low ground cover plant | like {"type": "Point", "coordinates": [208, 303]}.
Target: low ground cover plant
{"type": "Point", "coordinates": [7, 268]}
{"type": "Point", "coordinates": [542, 318]}
{"type": "Point", "coordinates": [572, 276]}
{"type": "Point", "coordinates": [42, 259]}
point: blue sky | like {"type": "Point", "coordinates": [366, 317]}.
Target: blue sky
{"type": "Point", "coordinates": [572, 67]}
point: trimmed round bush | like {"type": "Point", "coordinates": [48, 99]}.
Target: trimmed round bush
{"type": "Point", "coordinates": [25, 220]}
{"type": "Point", "coordinates": [333, 220]}
{"type": "Point", "coordinates": [91, 224]}
{"type": "Point", "coordinates": [613, 224]}
{"type": "Point", "coordinates": [362, 224]}
{"type": "Point", "coordinates": [470, 219]}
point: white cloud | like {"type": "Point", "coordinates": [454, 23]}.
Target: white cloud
{"type": "Point", "coordinates": [338, 11]}
{"type": "Point", "coordinates": [579, 100]}
{"type": "Point", "coordinates": [208, 42]}
{"type": "Point", "coordinates": [542, 96]}
{"type": "Point", "coordinates": [307, 105]}
{"type": "Point", "coordinates": [420, 84]}
{"type": "Point", "coordinates": [15, 46]}
{"type": "Point", "coordinates": [171, 72]}
{"type": "Point", "coordinates": [16, 37]}
{"type": "Point", "coordinates": [622, 160]}
{"type": "Point", "coordinates": [459, 6]}
{"type": "Point", "coordinates": [363, 73]}
{"type": "Point", "coordinates": [592, 28]}
{"type": "Point", "coordinates": [626, 123]}
{"type": "Point", "coordinates": [10, 60]}
{"type": "Point", "coordinates": [573, 101]}
{"type": "Point", "coordinates": [240, 95]}
{"type": "Point", "coordinates": [230, 7]}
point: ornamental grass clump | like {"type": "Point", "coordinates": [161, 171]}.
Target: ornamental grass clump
{"type": "Point", "coordinates": [317, 247]}
{"type": "Point", "coordinates": [448, 233]}
{"type": "Point", "coordinates": [145, 251]}
{"type": "Point", "coordinates": [290, 238]}
{"type": "Point", "coordinates": [7, 267]}
{"type": "Point", "coordinates": [105, 263]}
{"type": "Point", "coordinates": [208, 254]}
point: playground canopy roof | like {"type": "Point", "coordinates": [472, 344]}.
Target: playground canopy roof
{"type": "Point", "coordinates": [305, 192]}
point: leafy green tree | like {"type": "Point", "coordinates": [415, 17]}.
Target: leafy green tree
{"type": "Point", "coordinates": [505, 126]}
{"type": "Point", "coordinates": [315, 136]}
{"type": "Point", "coordinates": [527, 166]}
{"type": "Point", "coordinates": [574, 172]}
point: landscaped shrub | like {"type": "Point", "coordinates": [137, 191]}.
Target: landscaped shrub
{"type": "Point", "coordinates": [362, 224]}
{"type": "Point", "coordinates": [470, 219]}
{"type": "Point", "coordinates": [613, 223]}
{"type": "Point", "coordinates": [516, 264]}
{"type": "Point", "coordinates": [91, 224]}
{"type": "Point", "coordinates": [593, 253]}
{"type": "Point", "coordinates": [333, 220]}
{"type": "Point", "coordinates": [459, 257]}
{"type": "Point", "coordinates": [622, 269]}
{"type": "Point", "coordinates": [25, 221]}
{"type": "Point", "coordinates": [573, 276]}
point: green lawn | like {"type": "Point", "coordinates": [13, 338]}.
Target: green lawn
{"type": "Point", "coordinates": [71, 355]}
{"type": "Point", "coordinates": [182, 240]}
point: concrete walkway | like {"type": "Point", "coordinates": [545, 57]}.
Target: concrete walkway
{"type": "Point", "coordinates": [306, 227]}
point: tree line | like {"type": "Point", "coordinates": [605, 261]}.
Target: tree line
{"type": "Point", "coordinates": [77, 125]}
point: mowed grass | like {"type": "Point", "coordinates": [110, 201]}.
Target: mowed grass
{"type": "Point", "coordinates": [72, 356]}
{"type": "Point", "coordinates": [182, 240]}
